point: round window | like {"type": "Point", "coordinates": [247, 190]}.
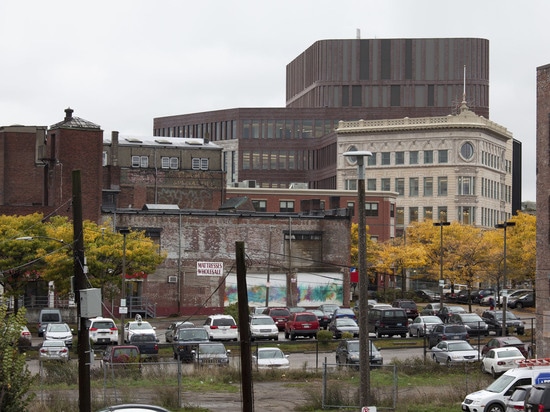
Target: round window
{"type": "Point", "coordinates": [467, 151]}
{"type": "Point", "coordinates": [351, 159]}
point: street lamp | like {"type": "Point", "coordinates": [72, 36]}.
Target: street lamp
{"type": "Point", "coordinates": [124, 232]}
{"type": "Point", "coordinates": [441, 224]}
{"type": "Point", "coordinates": [358, 157]}
{"type": "Point", "coordinates": [504, 225]}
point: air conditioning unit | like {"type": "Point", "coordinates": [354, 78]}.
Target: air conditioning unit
{"type": "Point", "coordinates": [172, 279]}
{"type": "Point", "coordinates": [249, 183]}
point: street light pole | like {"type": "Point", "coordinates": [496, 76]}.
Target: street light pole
{"type": "Point", "coordinates": [441, 224]}
{"type": "Point", "coordinates": [504, 225]}
{"type": "Point", "coordinates": [364, 346]}
{"type": "Point", "coordinates": [124, 232]}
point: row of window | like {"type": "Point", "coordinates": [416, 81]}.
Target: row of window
{"type": "Point", "coordinates": [465, 214]}
{"type": "Point", "coordinates": [371, 208]}
{"type": "Point", "coordinates": [414, 157]}
{"type": "Point", "coordinates": [465, 185]}
{"type": "Point", "coordinates": [495, 190]}
{"type": "Point", "coordinates": [197, 163]}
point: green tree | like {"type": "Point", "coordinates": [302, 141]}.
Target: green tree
{"type": "Point", "coordinates": [15, 378]}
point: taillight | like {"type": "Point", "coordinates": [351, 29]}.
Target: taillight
{"type": "Point", "coordinates": [27, 334]}
{"type": "Point", "coordinates": [156, 347]}
{"type": "Point", "coordinates": [541, 408]}
{"type": "Point", "coordinates": [213, 327]}
{"type": "Point", "coordinates": [443, 337]}
{"type": "Point", "coordinates": [64, 350]}
{"type": "Point", "coordinates": [233, 326]}
{"type": "Point", "coordinates": [43, 350]}
{"type": "Point", "coordinates": [501, 363]}
{"type": "Point", "coordinates": [113, 329]}
{"type": "Point", "coordinates": [93, 329]}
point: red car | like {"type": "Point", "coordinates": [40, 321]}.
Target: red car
{"type": "Point", "coordinates": [302, 324]}
{"type": "Point", "coordinates": [279, 316]}
{"type": "Point", "coordinates": [504, 342]}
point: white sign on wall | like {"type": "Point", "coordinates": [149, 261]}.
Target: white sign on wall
{"type": "Point", "coordinates": [209, 268]}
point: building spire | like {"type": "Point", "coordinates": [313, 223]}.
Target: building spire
{"type": "Point", "coordinates": [464, 105]}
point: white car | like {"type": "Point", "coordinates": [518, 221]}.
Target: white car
{"type": "Point", "coordinates": [270, 358]}
{"type": "Point", "coordinates": [138, 327]}
{"type": "Point", "coordinates": [499, 360]}
{"type": "Point", "coordinates": [423, 325]}
{"type": "Point", "coordinates": [59, 332]}
{"type": "Point", "coordinates": [102, 331]}
{"type": "Point", "coordinates": [263, 327]}
{"type": "Point", "coordinates": [454, 351]}
{"type": "Point", "coordinates": [53, 350]}
{"type": "Point", "coordinates": [221, 327]}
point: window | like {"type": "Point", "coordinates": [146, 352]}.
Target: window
{"type": "Point", "coordinates": [350, 184]}
{"type": "Point", "coordinates": [413, 157]}
{"type": "Point", "coordinates": [198, 163]}
{"type": "Point", "coordinates": [428, 157]}
{"type": "Point", "coordinates": [428, 213]}
{"type": "Point", "coordinates": [385, 184]}
{"type": "Point", "coordinates": [400, 186]}
{"type": "Point", "coordinates": [467, 151]}
{"type": "Point", "coordinates": [466, 215]}
{"type": "Point", "coordinates": [385, 158]}
{"type": "Point", "coordinates": [286, 206]}
{"type": "Point", "coordinates": [371, 160]}
{"type": "Point", "coordinates": [140, 161]}
{"type": "Point", "coordinates": [371, 184]}
{"type": "Point", "coordinates": [399, 158]}
{"type": "Point", "coordinates": [465, 185]}
{"type": "Point", "coordinates": [442, 186]}
{"type": "Point", "coordinates": [371, 209]}
{"type": "Point", "coordinates": [442, 156]}
{"type": "Point", "coordinates": [395, 95]}
{"type": "Point", "coordinates": [413, 214]}
{"type": "Point", "coordinates": [400, 218]}
{"type": "Point", "coordinates": [351, 207]}
{"type": "Point", "coordinates": [442, 213]}
{"type": "Point", "coordinates": [413, 186]}
{"type": "Point", "coordinates": [428, 186]}
{"type": "Point", "coordinates": [169, 162]}
{"type": "Point", "coordinates": [260, 205]}
{"type": "Point", "coordinates": [105, 157]}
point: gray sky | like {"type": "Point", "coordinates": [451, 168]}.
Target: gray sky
{"type": "Point", "coordinates": [121, 63]}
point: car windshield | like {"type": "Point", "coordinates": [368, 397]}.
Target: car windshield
{"type": "Point", "coordinates": [58, 327]}
{"type": "Point", "coordinates": [223, 322]}
{"type": "Point", "coordinates": [456, 309]}
{"type": "Point", "coordinates": [103, 325]}
{"type": "Point", "coordinates": [472, 317]}
{"type": "Point", "coordinates": [280, 312]}
{"type": "Point", "coordinates": [262, 321]}
{"type": "Point", "coordinates": [410, 305]}
{"type": "Point", "coordinates": [454, 329]}
{"type": "Point", "coordinates": [431, 319]}
{"type": "Point", "coordinates": [345, 322]}
{"type": "Point", "coordinates": [510, 353]}
{"type": "Point", "coordinates": [141, 326]}
{"type": "Point", "coordinates": [270, 354]}
{"type": "Point", "coordinates": [212, 349]}
{"type": "Point", "coordinates": [457, 346]}
{"type": "Point", "coordinates": [192, 334]}
{"type": "Point", "coordinates": [511, 340]}
{"type": "Point", "coordinates": [500, 384]}
{"type": "Point", "coordinates": [306, 318]}
{"type": "Point", "coordinates": [353, 346]}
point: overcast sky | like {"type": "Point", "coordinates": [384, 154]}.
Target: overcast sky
{"type": "Point", "coordinates": [121, 63]}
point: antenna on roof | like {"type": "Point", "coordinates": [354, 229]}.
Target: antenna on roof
{"type": "Point", "coordinates": [358, 33]}
{"type": "Point", "coordinates": [464, 87]}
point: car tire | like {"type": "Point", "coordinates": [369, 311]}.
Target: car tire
{"type": "Point", "coordinates": [276, 338]}
{"type": "Point", "coordinates": [448, 362]}
{"type": "Point", "coordinates": [493, 373]}
{"type": "Point", "coordinates": [418, 334]}
{"type": "Point", "coordinates": [286, 335]}
{"type": "Point", "coordinates": [483, 370]}
{"type": "Point", "coordinates": [378, 334]}
{"type": "Point", "coordinates": [519, 305]}
{"type": "Point", "coordinates": [435, 359]}
{"type": "Point", "coordinates": [495, 407]}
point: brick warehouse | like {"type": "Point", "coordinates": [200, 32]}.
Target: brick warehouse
{"type": "Point", "coordinates": [543, 209]}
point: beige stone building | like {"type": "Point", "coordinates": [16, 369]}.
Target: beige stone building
{"type": "Point", "coordinates": [453, 168]}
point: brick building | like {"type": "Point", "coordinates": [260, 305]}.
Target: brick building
{"type": "Point", "coordinates": [542, 284]}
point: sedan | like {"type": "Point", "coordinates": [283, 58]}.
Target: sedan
{"type": "Point", "coordinates": [423, 325]}
{"type": "Point", "coordinates": [446, 312]}
{"type": "Point", "coordinates": [505, 342]}
{"type": "Point", "coordinates": [427, 295]}
{"type": "Point", "coordinates": [430, 309]}
{"type": "Point", "coordinates": [450, 352]}
{"type": "Point", "coordinates": [522, 301]}
{"type": "Point", "coordinates": [270, 358]}
{"type": "Point", "coordinates": [499, 360]}
{"type": "Point", "coordinates": [473, 322]}
{"type": "Point", "coordinates": [340, 326]}
{"type": "Point", "coordinates": [59, 331]}
{"type": "Point", "coordinates": [53, 350]}
{"type": "Point", "coordinates": [347, 354]}
{"type": "Point", "coordinates": [323, 319]}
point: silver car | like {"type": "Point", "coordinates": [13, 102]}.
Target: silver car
{"type": "Point", "coordinates": [423, 325]}
{"type": "Point", "coordinates": [53, 350]}
{"type": "Point", "coordinates": [263, 327]}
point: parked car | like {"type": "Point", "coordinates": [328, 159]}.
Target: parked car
{"type": "Point", "coordinates": [445, 312]}
{"type": "Point", "coordinates": [493, 319]}
{"type": "Point", "coordinates": [505, 342]}
{"type": "Point", "coordinates": [138, 326]}
{"type": "Point", "coordinates": [279, 315]}
{"type": "Point", "coordinates": [221, 327]}
{"type": "Point", "coordinates": [186, 340]}
{"type": "Point", "coordinates": [339, 326]}
{"type": "Point", "coordinates": [451, 352]}
{"type": "Point", "coordinates": [498, 360]}
{"type": "Point", "coordinates": [301, 324]}
{"type": "Point", "coordinates": [126, 356]}
{"type": "Point", "coordinates": [102, 331]}
{"type": "Point", "coordinates": [430, 309]}
{"type": "Point", "coordinates": [53, 350]}
{"type": "Point", "coordinates": [323, 319]}
{"type": "Point", "coordinates": [59, 331]}
{"type": "Point", "coordinates": [173, 327]}
{"type": "Point", "coordinates": [388, 321]}
{"type": "Point", "coordinates": [538, 398]}
{"type": "Point", "coordinates": [258, 310]}
{"type": "Point", "coordinates": [447, 331]}
{"type": "Point", "coordinates": [25, 338]}
{"type": "Point", "coordinates": [295, 309]}
{"type": "Point", "coordinates": [477, 297]}
{"type": "Point", "coordinates": [263, 327]}
{"type": "Point", "coordinates": [347, 354]}
{"type": "Point", "coordinates": [270, 358]}
{"type": "Point", "coordinates": [451, 290]}
{"type": "Point", "coordinates": [344, 313]}
{"type": "Point", "coordinates": [409, 305]}
{"type": "Point", "coordinates": [423, 325]}
{"type": "Point", "coordinates": [328, 309]}
{"type": "Point", "coordinates": [526, 300]}
{"type": "Point", "coordinates": [46, 316]}
{"type": "Point", "coordinates": [473, 322]}
{"type": "Point", "coordinates": [465, 295]}
{"type": "Point", "coordinates": [427, 295]}
{"type": "Point", "coordinates": [212, 353]}
{"type": "Point", "coordinates": [146, 343]}
{"type": "Point", "coordinates": [516, 402]}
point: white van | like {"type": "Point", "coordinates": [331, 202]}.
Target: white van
{"type": "Point", "coordinates": [495, 396]}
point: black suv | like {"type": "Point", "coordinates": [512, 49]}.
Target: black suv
{"type": "Point", "coordinates": [409, 305]}
{"type": "Point", "coordinates": [493, 319]}
{"type": "Point", "coordinates": [447, 332]}
{"type": "Point", "coordinates": [186, 342]}
{"type": "Point", "coordinates": [538, 398]}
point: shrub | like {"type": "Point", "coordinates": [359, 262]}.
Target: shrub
{"type": "Point", "coordinates": [324, 336]}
